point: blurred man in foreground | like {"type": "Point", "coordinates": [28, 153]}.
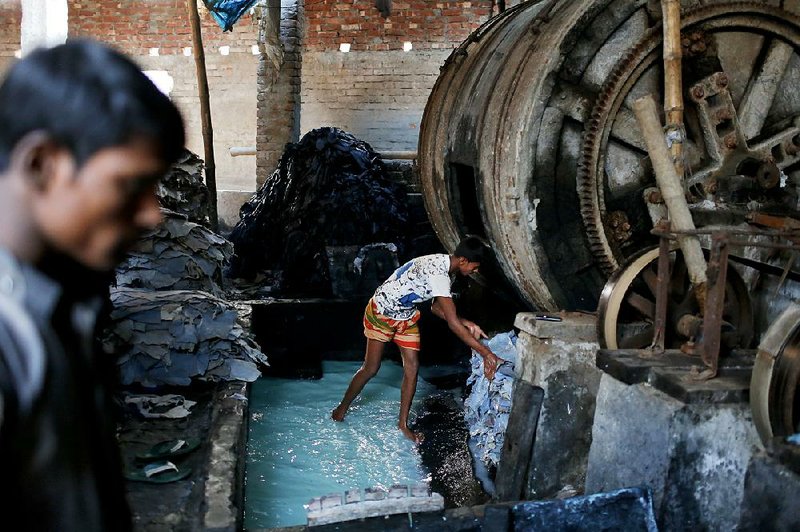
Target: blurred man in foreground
{"type": "Point", "coordinates": [84, 138]}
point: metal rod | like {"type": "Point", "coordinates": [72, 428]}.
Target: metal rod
{"type": "Point", "coordinates": [662, 291]}
{"type": "Point", "coordinates": [238, 151]}
{"type": "Point", "coordinates": [756, 232]}
{"type": "Point", "coordinates": [715, 304]}
{"type": "Point", "coordinates": [397, 155]}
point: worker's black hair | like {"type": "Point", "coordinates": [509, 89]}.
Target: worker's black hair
{"type": "Point", "coordinates": [87, 97]}
{"type": "Point", "coordinates": [471, 248]}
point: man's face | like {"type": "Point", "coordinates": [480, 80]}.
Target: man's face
{"type": "Point", "coordinates": [96, 212]}
{"type": "Point", "coordinates": [466, 267]}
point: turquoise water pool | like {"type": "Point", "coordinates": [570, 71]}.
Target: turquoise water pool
{"type": "Point", "coordinates": [296, 452]}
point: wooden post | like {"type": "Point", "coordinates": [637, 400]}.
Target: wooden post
{"type": "Point", "coordinates": [205, 109]}
{"type": "Point", "coordinates": [512, 472]}
{"type": "Point", "coordinates": [673, 82]}
{"type": "Point", "coordinates": [671, 189]}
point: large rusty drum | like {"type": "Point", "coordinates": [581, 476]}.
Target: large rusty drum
{"type": "Point", "coordinates": [528, 137]}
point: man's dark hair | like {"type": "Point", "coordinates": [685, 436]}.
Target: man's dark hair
{"type": "Point", "coordinates": [87, 97]}
{"type": "Point", "coordinates": [471, 248]}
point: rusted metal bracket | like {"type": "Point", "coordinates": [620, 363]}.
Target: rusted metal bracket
{"type": "Point", "coordinates": [715, 302]}
{"type": "Point", "coordinates": [662, 288]}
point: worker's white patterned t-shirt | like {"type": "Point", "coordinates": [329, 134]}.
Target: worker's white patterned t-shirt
{"type": "Point", "coordinates": [417, 280]}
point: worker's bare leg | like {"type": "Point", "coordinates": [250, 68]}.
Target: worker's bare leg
{"type": "Point", "coordinates": [371, 365]}
{"type": "Point", "coordinates": [407, 390]}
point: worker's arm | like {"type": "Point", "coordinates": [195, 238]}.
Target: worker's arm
{"type": "Point", "coordinates": [467, 331]}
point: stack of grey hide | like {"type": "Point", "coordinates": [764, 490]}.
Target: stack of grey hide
{"type": "Point", "coordinates": [171, 323]}
{"type": "Point", "coordinates": [182, 189]}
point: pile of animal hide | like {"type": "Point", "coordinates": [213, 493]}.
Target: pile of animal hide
{"type": "Point", "coordinates": [488, 405]}
{"type": "Point", "coordinates": [174, 337]}
{"type": "Point", "coordinates": [176, 255]}
{"type": "Point", "coordinates": [330, 189]}
{"type": "Point", "coordinates": [183, 190]}
{"type": "Point", "coordinates": [170, 323]}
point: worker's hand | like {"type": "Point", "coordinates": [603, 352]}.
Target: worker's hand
{"type": "Point", "coordinates": [490, 364]}
{"type": "Point", "coordinates": [474, 329]}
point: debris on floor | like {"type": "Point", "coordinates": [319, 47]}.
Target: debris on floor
{"type": "Point", "coordinates": [172, 406]}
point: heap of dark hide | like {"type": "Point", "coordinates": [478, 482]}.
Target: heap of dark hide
{"type": "Point", "coordinates": [183, 190]}
{"type": "Point", "coordinates": [330, 189]}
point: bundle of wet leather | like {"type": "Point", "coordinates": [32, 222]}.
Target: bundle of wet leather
{"type": "Point", "coordinates": [174, 337]}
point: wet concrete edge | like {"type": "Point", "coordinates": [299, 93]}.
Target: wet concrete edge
{"type": "Point", "coordinates": [224, 487]}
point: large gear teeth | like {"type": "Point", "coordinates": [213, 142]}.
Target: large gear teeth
{"type": "Point", "coordinates": [590, 179]}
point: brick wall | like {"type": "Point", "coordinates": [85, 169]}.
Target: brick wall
{"type": "Point", "coordinates": [377, 91]}
{"type": "Point", "coordinates": [428, 24]}
{"type": "Point", "coordinates": [10, 19]}
{"type": "Point", "coordinates": [135, 27]}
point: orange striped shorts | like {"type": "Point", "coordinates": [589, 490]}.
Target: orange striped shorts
{"type": "Point", "coordinates": [405, 333]}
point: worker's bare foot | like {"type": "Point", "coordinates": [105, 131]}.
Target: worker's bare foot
{"type": "Point", "coordinates": [416, 437]}
{"type": "Point", "coordinates": [338, 413]}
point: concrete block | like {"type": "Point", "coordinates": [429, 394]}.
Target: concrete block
{"type": "Point", "coordinates": [692, 456]}
{"type": "Point", "coordinates": [552, 346]}
{"type": "Point", "coordinates": [574, 326]}
{"type": "Point", "coordinates": [561, 362]}
{"type": "Point", "coordinates": [628, 421]}
{"type": "Point", "coordinates": [770, 496]}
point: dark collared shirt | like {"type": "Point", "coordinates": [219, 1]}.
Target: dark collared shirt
{"type": "Point", "coordinates": [61, 466]}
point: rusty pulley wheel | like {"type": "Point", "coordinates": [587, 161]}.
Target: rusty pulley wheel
{"type": "Point", "coordinates": [626, 311]}
{"type": "Point", "coordinates": [774, 397]}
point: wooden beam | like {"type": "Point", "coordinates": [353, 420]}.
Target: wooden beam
{"type": "Point", "coordinates": [671, 187]}
{"type": "Point", "coordinates": [512, 471]}
{"type": "Point", "coordinates": [205, 109]}
{"type": "Point", "coordinates": [673, 81]}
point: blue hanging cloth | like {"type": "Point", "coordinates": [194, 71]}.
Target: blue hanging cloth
{"type": "Point", "coordinates": [227, 12]}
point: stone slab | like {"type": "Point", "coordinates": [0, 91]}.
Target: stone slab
{"type": "Point", "coordinates": [562, 363]}
{"type": "Point", "coordinates": [573, 326]}
{"type": "Point", "coordinates": [672, 373]}
{"type": "Point", "coordinates": [770, 495]}
{"type": "Point", "coordinates": [629, 509]}
{"type": "Point", "coordinates": [692, 456]}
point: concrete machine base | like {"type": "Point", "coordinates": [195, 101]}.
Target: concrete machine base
{"type": "Point", "coordinates": [616, 419]}
{"type": "Point", "coordinates": [689, 441]}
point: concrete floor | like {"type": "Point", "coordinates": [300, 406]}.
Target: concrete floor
{"type": "Point", "coordinates": [211, 497]}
